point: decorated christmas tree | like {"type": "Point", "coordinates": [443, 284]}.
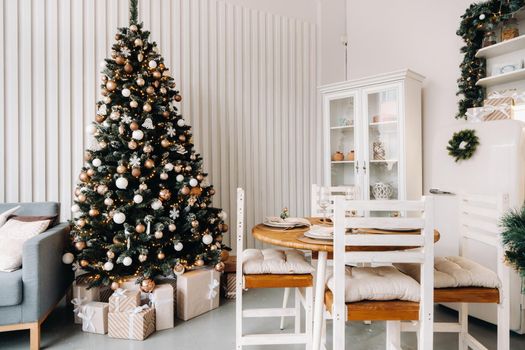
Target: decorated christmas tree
{"type": "Point", "coordinates": [143, 204]}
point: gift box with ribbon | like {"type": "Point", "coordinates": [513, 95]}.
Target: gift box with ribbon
{"type": "Point", "coordinates": [82, 295]}
{"type": "Point", "coordinates": [498, 105]}
{"type": "Point", "coordinates": [229, 278]}
{"type": "Point", "coordinates": [94, 316]}
{"type": "Point", "coordinates": [197, 292]}
{"type": "Point", "coordinates": [136, 324]}
{"type": "Point", "coordinates": [162, 300]}
{"type": "Point", "coordinates": [123, 300]}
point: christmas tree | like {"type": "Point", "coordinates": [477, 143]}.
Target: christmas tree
{"type": "Point", "coordinates": [143, 204]}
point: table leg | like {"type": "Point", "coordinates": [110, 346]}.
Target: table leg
{"type": "Point", "coordinates": [319, 298]}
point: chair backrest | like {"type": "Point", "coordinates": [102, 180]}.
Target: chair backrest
{"type": "Point", "coordinates": [317, 211]}
{"type": "Point", "coordinates": [240, 231]}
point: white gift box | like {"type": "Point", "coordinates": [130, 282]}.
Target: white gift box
{"type": "Point", "coordinates": [162, 300]}
{"type": "Point", "coordinates": [94, 317]}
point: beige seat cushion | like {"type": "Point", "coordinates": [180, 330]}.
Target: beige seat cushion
{"type": "Point", "coordinates": [456, 271]}
{"type": "Point", "coordinates": [275, 261]}
{"type": "Point", "coordinates": [377, 283]}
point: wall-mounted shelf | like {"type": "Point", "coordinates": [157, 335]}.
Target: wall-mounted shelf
{"type": "Point", "coordinates": [342, 127]}
{"type": "Point", "coordinates": [502, 48]}
{"type": "Point", "coordinates": [502, 78]}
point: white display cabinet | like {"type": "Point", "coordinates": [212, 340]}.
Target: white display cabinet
{"type": "Point", "coordinates": [373, 135]}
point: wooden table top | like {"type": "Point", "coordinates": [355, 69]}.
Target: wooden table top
{"type": "Point", "coordinates": [290, 238]}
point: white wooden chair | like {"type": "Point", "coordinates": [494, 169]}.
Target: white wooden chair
{"type": "Point", "coordinates": [302, 283]}
{"type": "Point", "coordinates": [348, 249]}
{"type": "Point", "coordinates": [479, 217]}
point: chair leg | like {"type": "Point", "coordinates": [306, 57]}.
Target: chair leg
{"type": "Point", "coordinates": [297, 311]}
{"type": "Point", "coordinates": [285, 303]}
{"type": "Point", "coordinates": [463, 322]}
{"type": "Point", "coordinates": [393, 335]}
{"type": "Point", "coordinates": [309, 316]}
{"type": "Point", "coordinates": [34, 336]}
{"type": "Point", "coordinates": [504, 325]}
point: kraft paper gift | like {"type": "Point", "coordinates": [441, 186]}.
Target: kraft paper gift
{"type": "Point", "coordinates": [162, 300]}
{"type": "Point", "coordinates": [228, 281]}
{"type": "Point", "coordinates": [136, 324]}
{"type": "Point", "coordinates": [82, 295]}
{"type": "Point", "coordinates": [124, 300]}
{"type": "Point", "coordinates": [94, 317]}
{"type": "Point", "coordinates": [197, 292]}
{"type": "Point", "coordinates": [498, 108]}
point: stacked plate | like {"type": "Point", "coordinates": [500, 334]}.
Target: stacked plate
{"type": "Point", "coordinates": [320, 232]}
{"type": "Point", "coordinates": [275, 221]}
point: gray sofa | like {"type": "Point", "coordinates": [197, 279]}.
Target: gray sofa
{"type": "Point", "coordinates": [28, 295]}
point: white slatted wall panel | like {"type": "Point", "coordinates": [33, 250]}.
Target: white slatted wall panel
{"type": "Point", "coordinates": [248, 80]}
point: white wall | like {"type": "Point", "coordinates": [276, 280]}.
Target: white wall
{"type": "Point", "coordinates": [248, 77]}
{"type": "Point", "coordinates": [421, 35]}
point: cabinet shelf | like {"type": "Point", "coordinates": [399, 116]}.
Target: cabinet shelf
{"type": "Point", "coordinates": [342, 127]}
{"type": "Point", "coordinates": [383, 160]}
{"type": "Point", "coordinates": [389, 122]}
{"type": "Point", "coordinates": [502, 78]}
{"type": "Point", "coordinates": [502, 48]}
{"type": "Point", "coordinates": [342, 161]}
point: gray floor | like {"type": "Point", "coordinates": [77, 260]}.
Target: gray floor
{"type": "Point", "coordinates": [216, 330]}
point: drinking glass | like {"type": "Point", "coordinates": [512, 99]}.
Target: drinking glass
{"type": "Point", "coordinates": [324, 200]}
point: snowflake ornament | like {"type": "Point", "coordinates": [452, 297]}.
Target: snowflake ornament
{"type": "Point", "coordinates": [171, 131]}
{"type": "Point", "coordinates": [125, 52]}
{"type": "Point", "coordinates": [134, 160]}
{"type": "Point", "coordinates": [174, 213]}
{"type": "Point", "coordinates": [126, 119]}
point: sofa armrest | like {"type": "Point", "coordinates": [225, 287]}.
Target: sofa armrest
{"type": "Point", "coordinates": [44, 276]}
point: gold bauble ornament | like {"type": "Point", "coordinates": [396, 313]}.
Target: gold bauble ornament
{"type": "Point", "coordinates": [199, 262]}
{"type": "Point", "coordinates": [110, 254]}
{"type": "Point", "coordinates": [100, 118]}
{"type": "Point", "coordinates": [80, 245]}
{"type": "Point", "coordinates": [225, 255]}
{"type": "Point", "coordinates": [120, 60]}
{"type": "Point", "coordinates": [111, 85]}
{"type": "Point", "coordinates": [147, 285]}
{"type": "Point", "coordinates": [185, 190]}
{"type": "Point", "coordinates": [172, 227]}
{"type": "Point", "coordinates": [150, 90]}
{"type": "Point", "coordinates": [165, 194]}
{"type": "Point", "coordinates": [166, 114]}
{"type": "Point", "coordinates": [135, 172]}
{"type": "Point", "coordinates": [165, 143]}
{"type": "Point", "coordinates": [188, 168]}
{"type": "Point", "coordinates": [196, 191]}
{"type": "Point", "coordinates": [102, 189]}
{"type": "Point", "coordinates": [163, 90]}
{"type": "Point", "coordinates": [128, 68]}
{"type": "Point", "coordinates": [77, 191]}
{"type": "Point", "coordinates": [104, 78]}
{"type": "Point", "coordinates": [161, 256]}
{"type": "Point", "coordinates": [90, 172]}
{"type": "Point", "coordinates": [149, 163]}
{"type": "Point", "coordinates": [133, 104]}
{"type": "Point", "coordinates": [102, 144]}
{"type": "Point", "coordinates": [220, 266]}
{"type": "Point", "coordinates": [81, 223]}
{"type": "Point", "coordinates": [182, 138]}
{"type": "Point", "coordinates": [148, 149]}
{"type": "Point", "coordinates": [82, 198]}
{"type": "Point", "coordinates": [178, 98]}
{"type": "Point", "coordinates": [195, 224]}
{"type": "Point", "coordinates": [138, 42]}
{"type": "Point", "coordinates": [211, 192]}
{"type": "Point", "coordinates": [121, 129]}
{"type": "Point", "coordinates": [178, 269]}
{"type": "Point", "coordinates": [140, 82]}
{"type": "Point", "coordinates": [156, 83]}
{"type": "Point", "coordinates": [134, 126]}
{"type": "Point", "coordinates": [84, 177]}
{"type": "Point", "coordinates": [157, 75]}
{"type": "Point", "coordinates": [115, 285]}
{"type": "Point", "coordinates": [121, 169]}
{"type": "Point", "coordinates": [87, 156]}
{"type": "Point", "coordinates": [223, 227]}
{"type": "Point", "coordinates": [140, 228]}
{"type": "Point", "coordinates": [162, 66]}
{"type": "Point", "coordinates": [146, 107]}
{"type": "Point", "coordinates": [178, 168]}
{"type": "Point", "coordinates": [84, 263]}
{"type": "Point", "coordinates": [104, 92]}
{"type": "Point", "coordinates": [93, 212]}
{"type": "Point", "coordinates": [158, 234]}
{"type": "Point", "coordinates": [116, 240]}
{"type": "Point", "coordinates": [200, 177]}
{"type": "Point", "coordinates": [143, 257]}
{"type": "Point", "coordinates": [133, 28]}
{"type": "Point", "coordinates": [203, 205]}
{"type": "Point", "coordinates": [132, 144]}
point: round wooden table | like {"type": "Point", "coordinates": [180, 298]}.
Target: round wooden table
{"type": "Point", "coordinates": [294, 238]}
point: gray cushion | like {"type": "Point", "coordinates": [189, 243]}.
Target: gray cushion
{"type": "Point", "coordinates": [11, 292]}
{"type": "Point", "coordinates": [33, 209]}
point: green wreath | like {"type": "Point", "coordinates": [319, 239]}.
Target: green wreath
{"type": "Point", "coordinates": [463, 144]}
{"type": "Point", "coordinates": [513, 238]}
{"type": "Point", "coordinates": [477, 20]}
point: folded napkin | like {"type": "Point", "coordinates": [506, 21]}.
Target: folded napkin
{"type": "Point", "coordinates": [290, 221]}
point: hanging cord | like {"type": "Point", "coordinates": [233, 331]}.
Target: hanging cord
{"type": "Point", "coordinates": [133, 11]}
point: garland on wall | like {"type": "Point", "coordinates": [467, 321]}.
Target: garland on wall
{"type": "Point", "coordinates": [463, 144]}
{"type": "Point", "coordinates": [478, 19]}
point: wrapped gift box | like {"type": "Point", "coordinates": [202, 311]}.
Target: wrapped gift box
{"type": "Point", "coordinates": [82, 295]}
{"type": "Point", "coordinates": [229, 278]}
{"type": "Point", "coordinates": [136, 324]}
{"type": "Point", "coordinates": [499, 105]}
{"type": "Point", "coordinates": [124, 300]}
{"type": "Point", "coordinates": [130, 284]}
{"type": "Point", "coordinates": [173, 283]}
{"type": "Point", "coordinates": [197, 292]}
{"type": "Point", "coordinates": [94, 317]}
{"type": "Point", "coordinates": [162, 300]}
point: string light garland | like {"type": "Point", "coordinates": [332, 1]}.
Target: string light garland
{"type": "Point", "coordinates": [478, 19]}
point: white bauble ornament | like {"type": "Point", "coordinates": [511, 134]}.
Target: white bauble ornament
{"type": "Point", "coordinates": [122, 183]}
{"type": "Point", "coordinates": [180, 122]}
{"type": "Point", "coordinates": [178, 246]}
{"type": "Point", "coordinates": [158, 234]}
{"type": "Point", "coordinates": [180, 178]}
{"type": "Point", "coordinates": [119, 218]}
{"type": "Point", "coordinates": [207, 239]}
{"type": "Point", "coordinates": [75, 208]}
{"type": "Point", "coordinates": [126, 92]}
{"type": "Point", "coordinates": [482, 17]}
{"type": "Point", "coordinates": [194, 182]}
{"type": "Point", "coordinates": [96, 162]}
{"type": "Point", "coordinates": [223, 215]}
{"type": "Point", "coordinates": [108, 266]}
{"type": "Point", "coordinates": [68, 258]}
{"type": "Point", "coordinates": [107, 100]}
{"type": "Point", "coordinates": [127, 261]}
{"type": "Point", "coordinates": [134, 104]}
{"type": "Point", "coordinates": [108, 201]}
{"type": "Point", "coordinates": [138, 199]}
{"type": "Point", "coordinates": [156, 204]}
{"type": "Point", "coordinates": [152, 64]}
{"type": "Point", "coordinates": [168, 167]}
{"type": "Point", "coordinates": [91, 129]}
{"type": "Point", "coordinates": [114, 115]}
{"type": "Point", "coordinates": [163, 176]}
{"type": "Point", "coordinates": [138, 134]}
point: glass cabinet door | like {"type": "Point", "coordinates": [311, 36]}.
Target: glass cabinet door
{"type": "Point", "coordinates": [343, 153]}
{"type": "Point", "coordinates": [382, 110]}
